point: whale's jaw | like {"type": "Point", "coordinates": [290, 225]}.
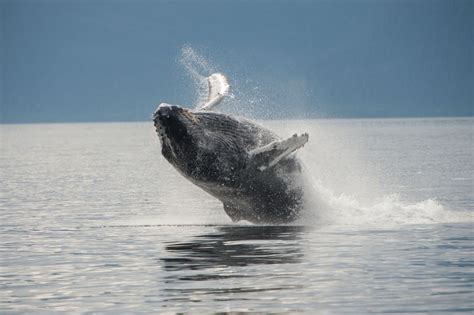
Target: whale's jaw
{"type": "Point", "coordinates": [172, 122]}
{"type": "Point", "coordinates": [173, 125]}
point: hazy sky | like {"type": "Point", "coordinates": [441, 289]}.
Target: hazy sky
{"type": "Point", "coordinates": [115, 60]}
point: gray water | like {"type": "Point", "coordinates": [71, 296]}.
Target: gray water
{"type": "Point", "coordinates": [93, 219]}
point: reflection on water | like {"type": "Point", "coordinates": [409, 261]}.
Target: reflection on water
{"type": "Point", "coordinates": [236, 246]}
{"type": "Point", "coordinates": [208, 269]}
{"type": "Point", "coordinates": [211, 256]}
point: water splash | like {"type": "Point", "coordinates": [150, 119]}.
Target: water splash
{"type": "Point", "coordinates": [245, 97]}
{"type": "Point", "coordinates": [323, 205]}
{"type": "Point", "coordinates": [197, 68]}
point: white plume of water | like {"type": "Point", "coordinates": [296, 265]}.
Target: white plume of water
{"type": "Point", "coordinates": [323, 207]}
{"type": "Point", "coordinates": [198, 69]}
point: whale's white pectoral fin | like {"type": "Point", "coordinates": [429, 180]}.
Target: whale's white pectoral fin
{"type": "Point", "coordinates": [218, 88]}
{"type": "Point", "coordinates": [218, 85]}
{"type": "Point", "coordinates": [269, 155]}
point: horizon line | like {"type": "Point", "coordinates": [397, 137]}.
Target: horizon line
{"type": "Point", "coordinates": [251, 118]}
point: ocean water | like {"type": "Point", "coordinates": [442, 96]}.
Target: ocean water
{"type": "Point", "coordinates": [93, 219]}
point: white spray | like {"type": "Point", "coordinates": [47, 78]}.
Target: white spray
{"type": "Point", "coordinates": [323, 206]}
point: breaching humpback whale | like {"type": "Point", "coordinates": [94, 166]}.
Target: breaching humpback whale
{"type": "Point", "coordinates": [253, 172]}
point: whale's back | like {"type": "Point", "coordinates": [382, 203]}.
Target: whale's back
{"type": "Point", "coordinates": [245, 134]}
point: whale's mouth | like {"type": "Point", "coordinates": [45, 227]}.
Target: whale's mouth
{"type": "Point", "coordinates": [172, 123]}
{"type": "Point", "coordinates": [159, 128]}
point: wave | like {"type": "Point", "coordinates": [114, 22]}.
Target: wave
{"type": "Point", "coordinates": [324, 207]}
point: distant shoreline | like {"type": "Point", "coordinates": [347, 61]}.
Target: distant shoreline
{"type": "Point", "coordinates": [256, 119]}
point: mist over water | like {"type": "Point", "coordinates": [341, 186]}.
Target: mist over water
{"type": "Point", "coordinates": [245, 98]}
{"type": "Point", "coordinates": [197, 69]}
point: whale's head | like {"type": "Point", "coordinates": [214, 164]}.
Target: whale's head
{"type": "Point", "coordinates": [176, 131]}
{"type": "Point", "coordinates": [201, 145]}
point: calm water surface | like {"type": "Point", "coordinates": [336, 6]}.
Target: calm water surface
{"type": "Point", "coordinates": [94, 220]}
